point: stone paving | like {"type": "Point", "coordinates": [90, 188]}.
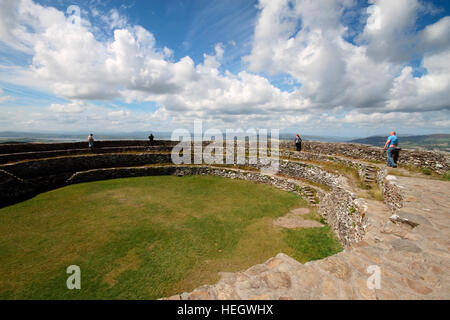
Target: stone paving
{"type": "Point", "coordinates": [408, 249]}
{"type": "Point", "coordinates": [294, 219]}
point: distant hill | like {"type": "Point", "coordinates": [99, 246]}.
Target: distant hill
{"type": "Point", "coordinates": [439, 142]}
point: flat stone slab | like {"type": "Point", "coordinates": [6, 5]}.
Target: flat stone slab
{"type": "Point", "coordinates": [405, 245]}
{"type": "Point", "coordinates": [412, 217]}
{"type": "Point", "coordinates": [300, 211]}
{"type": "Point", "coordinates": [292, 221]}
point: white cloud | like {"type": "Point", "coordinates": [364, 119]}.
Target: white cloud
{"type": "Point", "coordinates": [119, 114]}
{"type": "Point", "coordinates": [303, 40]}
{"type": "Point", "coordinates": [114, 19]}
{"type": "Point", "coordinates": [74, 107]}
{"type": "Point", "coordinates": [431, 91]}
{"type": "Point", "coordinates": [435, 37]}
{"type": "Point", "coordinates": [389, 31]}
{"type": "Point", "coordinates": [4, 99]}
{"type": "Point", "coordinates": [442, 123]}
{"type": "Point", "coordinates": [335, 72]}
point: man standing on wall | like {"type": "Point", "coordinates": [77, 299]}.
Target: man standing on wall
{"type": "Point", "coordinates": [150, 139]}
{"type": "Point", "coordinates": [391, 144]}
{"type": "Point", "coordinates": [298, 142]}
{"type": "Point", "coordinates": [91, 141]}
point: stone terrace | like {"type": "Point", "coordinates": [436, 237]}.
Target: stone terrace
{"type": "Point", "coordinates": [407, 236]}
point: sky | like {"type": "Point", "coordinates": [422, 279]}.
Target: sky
{"type": "Point", "coordinates": [344, 68]}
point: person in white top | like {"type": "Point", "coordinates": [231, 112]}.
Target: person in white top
{"type": "Point", "coordinates": [91, 141]}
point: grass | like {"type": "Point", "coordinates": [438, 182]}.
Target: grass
{"type": "Point", "coordinates": [314, 243]}
{"type": "Point", "coordinates": [314, 215]}
{"type": "Point", "coordinates": [147, 237]}
{"type": "Point", "coordinates": [375, 193]}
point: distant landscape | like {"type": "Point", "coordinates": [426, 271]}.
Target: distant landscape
{"type": "Point", "coordinates": [23, 137]}
{"type": "Point", "coordinates": [439, 142]}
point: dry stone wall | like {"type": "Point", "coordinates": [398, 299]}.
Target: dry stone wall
{"type": "Point", "coordinates": [303, 171]}
{"type": "Point", "coordinates": [392, 193]}
{"type": "Point", "coordinates": [310, 172]}
{"type": "Point", "coordinates": [16, 157]}
{"type": "Point", "coordinates": [438, 162]}
{"type": "Point", "coordinates": [346, 214]}
{"type": "Point", "coordinates": [35, 147]}
{"type": "Point", "coordinates": [340, 207]}
{"type": "Point", "coordinates": [25, 179]}
{"type": "Point", "coordinates": [114, 173]}
{"type": "Point", "coordinates": [38, 168]}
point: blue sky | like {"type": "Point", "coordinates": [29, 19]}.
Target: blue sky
{"type": "Point", "coordinates": [343, 68]}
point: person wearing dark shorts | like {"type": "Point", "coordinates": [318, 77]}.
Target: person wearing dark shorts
{"type": "Point", "coordinates": [298, 142]}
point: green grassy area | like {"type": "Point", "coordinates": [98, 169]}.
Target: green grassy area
{"type": "Point", "coordinates": [148, 237]}
{"type": "Point", "coordinates": [446, 176]}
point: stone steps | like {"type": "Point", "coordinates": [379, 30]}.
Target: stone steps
{"type": "Point", "coordinates": [310, 194]}
{"type": "Point", "coordinates": [370, 174]}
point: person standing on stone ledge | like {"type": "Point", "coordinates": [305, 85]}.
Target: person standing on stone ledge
{"type": "Point", "coordinates": [91, 141]}
{"type": "Point", "coordinates": [151, 138]}
{"type": "Point", "coordinates": [298, 142]}
{"type": "Point", "coordinates": [391, 145]}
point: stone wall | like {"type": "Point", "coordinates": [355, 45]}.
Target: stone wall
{"type": "Point", "coordinates": [438, 162]}
{"type": "Point", "coordinates": [299, 170]}
{"type": "Point", "coordinates": [392, 193]}
{"type": "Point", "coordinates": [310, 172]}
{"type": "Point", "coordinates": [34, 147]}
{"type": "Point", "coordinates": [46, 174]}
{"type": "Point", "coordinates": [15, 157]}
{"type": "Point", "coordinates": [346, 214]}
{"type": "Point", "coordinates": [24, 179]}
{"type": "Point", "coordinates": [114, 173]}
{"type": "Point", "coordinates": [12, 188]}
{"type": "Point", "coordinates": [46, 167]}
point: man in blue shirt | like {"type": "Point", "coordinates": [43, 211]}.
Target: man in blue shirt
{"type": "Point", "coordinates": [391, 144]}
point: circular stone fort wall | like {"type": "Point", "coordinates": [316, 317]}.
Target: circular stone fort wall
{"type": "Point", "coordinates": [31, 168]}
